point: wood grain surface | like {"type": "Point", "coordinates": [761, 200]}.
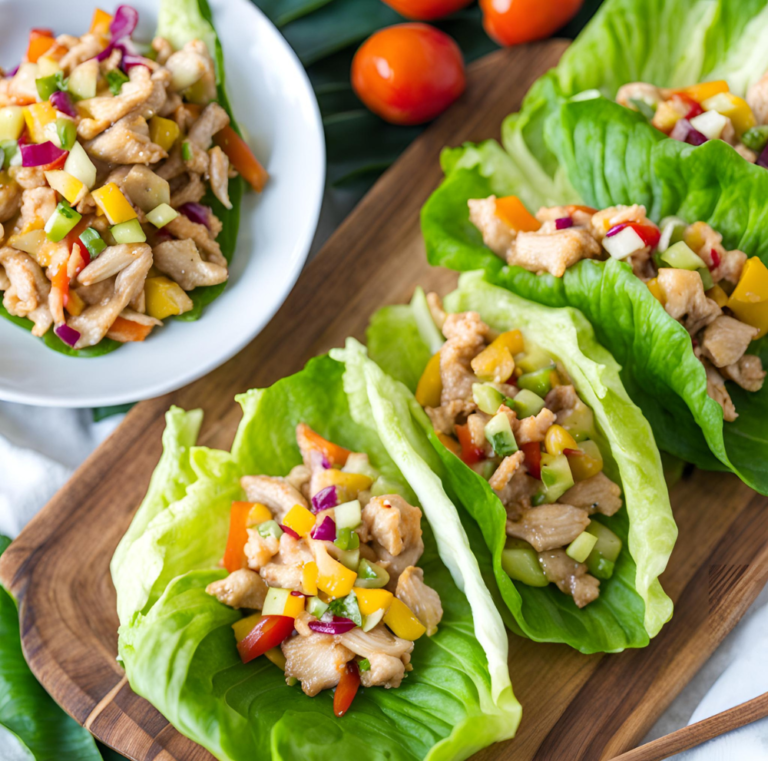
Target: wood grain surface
{"type": "Point", "coordinates": [576, 707]}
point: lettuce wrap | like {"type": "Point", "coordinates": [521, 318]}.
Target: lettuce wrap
{"type": "Point", "coordinates": [176, 641]}
{"type": "Point", "coordinates": [632, 607]}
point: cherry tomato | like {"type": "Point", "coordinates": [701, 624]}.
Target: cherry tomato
{"type": "Point", "coordinates": [269, 632]}
{"type": "Point", "coordinates": [426, 10]}
{"type": "Point", "coordinates": [347, 689]}
{"type": "Point", "coordinates": [532, 452]}
{"type": "Point", "coordinates": [511, 22]}
{"type": "Point", "coordinates": [409, 73]}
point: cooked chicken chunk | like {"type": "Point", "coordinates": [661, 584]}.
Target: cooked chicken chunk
{"type": "Point", "coordinates": [191, 191]}
{"type": "Point", "coordinates": [37, 205]}
{"type": "Point", "coordinates": [571, 577]}
{"type": "Point", "coordinates": [316, 661]}
{"type": "Point", "coordinates": [27, 294]}
{"type": "Point", "coordinates": [552, 252]}
{"type": "Point", "coordinates": [497, 235]}
{"type": "Point", "coordinates": [385, 671]}
{"type": "Point", "coordinates": [378, 640]}
{"type": "Point", "coordinates": [533, 427]}
{"type": "Point", "coordinates": [87, 47]}
{"type": "Point", "coordinates": [181, 260]}
{"type": "Point", "coordinates": [285, 569]}
{"type": "Point", "coordinates": [29, 177]}
{"type": "Point", "coordinates": [717, 391]}
{"type": "Point", "coordinates": [421, 599]}
{"type": "Point", "coordinates": [516, 495]}
{"type": "Point", "coordinates": [392, 523]}
{"type": "Point", "coordinates": [241, 589]}
{"type": "Point", "coordinates": [549, 526]}
{"type": "Point", "coordinates": [747, 372]}
{"type": "Point", "coordinates": [725, 340]}
{"type": "Point", "coordinates": [127, 142]}
{"type": "Point", "coordinates": [685, 299]}
{"type": "Point", "coordinates": [10, 200]}
{"type": "Point", "coordinates": [757, 98]}
{"type": "Point", "coordinates": [642, 91]}
{"type": "Point", "coordinates": [509, 466]}
{"type": "Point", "coordinates": [192, 67]}
{"type": "Point", "coordinates": [163, 48]}
{"type": "Point", "coordinates": [218, 169]}
{"type": "Point", "coordinates": [276, 493]}
{"type": "Point", "coordinates": [597, 494]}
{"type": "Point", "coordinates": [299, 479]}
{"type": "Point", "coordinates": [183, 227]}
{"type": "Point", "coordinates": [213, 119]}
{"type": "Point", "coordinates": [476, 423]}
{"type": "Point", "coordinates": [260, 550]}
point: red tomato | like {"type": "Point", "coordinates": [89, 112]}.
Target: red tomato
{"type": "Point", "coordinates": [347, 689]}
{"type": "Point", "coordinates": [511, 22]}
{"type": "Point", "coordinates": [426, 10]}
{"type": "Point", "coordinates": [268, 633]}
{"type": "Point", "coordinates": [470, 454]}
{"type": "Point", "coordinates": [409, 73]}
{"type": "Point", "coordinates": [532, 452]}
{"type": "Point", "coordinates": [649, 234]}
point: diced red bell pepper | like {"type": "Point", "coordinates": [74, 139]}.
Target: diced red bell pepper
{"type": "Point", "coordinates": [690, 106]}
{"type": "Point", "coordinates": [649, 234]}
{"type": "Point", "coordinates": [242, 158]}
{"type": "Point", "coordinates": [40, 41]}
{"type": "Point", "coordinates": [532, 452]}
{"type": "Point", "coordinates": [269, 632]}
{"type": "Point", "coordinates": [234, 554]}
{"type": "Point", "coordinates": [347, 689]}
{"type": "Point", "coordinates": [470, 454]}
{"type": "Point", "coordinates": [715, 259]}
{"type": "Point", "coordinates": [58, 164]}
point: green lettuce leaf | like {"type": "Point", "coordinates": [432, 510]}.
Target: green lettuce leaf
{"type": "Point", "coordinates": [632, 606]}
{"type": "Point", "coordinates": [176, 642]}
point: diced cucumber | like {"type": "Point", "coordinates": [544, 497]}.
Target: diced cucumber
{"type": "Point", "coordinates": [83, 80]}
{"type": "Point", "coordinates": [428, 331]}
{"type": "Point", "coordinates": [115, 79]}
{"type": "Point", "coordinates": [186, 151]}
{"type": "Point", "coordinates": [681, 257]}
{"type": "Point", "coordinates": [756, 138]}
{"type": "Point", "coordinates": [61, 222]}
{"type": "Point", "coordinates": [487, 398]}
{"type": "Point", "coordinates": [11, 122]}
{"type": "Point", "coordinates": [608, 544]}
{"type": "Point", "coordinates": [161, 215]}
{"type": "Point", "coordinates": [92, 241]}
{"type": "Point", "coordinates": [350, 558]}
{"type": "Point", "coordinates": [672, 231]}
{"type": "Point", "coordinates": [275, 601]}
{"type": "Point", "coordinates": [578, 421]}
{"type": "Point", "coordinates": [705, 274]}
{"type": "Point", "coordinates": [581, 546]}
{"type": "Point", "coordinates": [624, 243]}
{"type": "Point", "coordinates": [270, 528]}
{"type": "Point", "coordinates": [370, 621]}
{"type": "Point", "coordinates": [128, 232]}
{"type": "Point", "coordinates": [556, 476]}
{"type": "Point", "coordinates": [347, 539]}
{"type": "Point", "coordinates": [358, 463]}
{"type": "Point", "coordinates": [498, 431]}
{"type": "Point", "coordinates": [521, 563]}
{"type": "Point", "coordinates": [538, 381]}
{"type": "Point", "coordinates": [532, 359]}
{"type": "Point", "coordinates": [600, 567]}
{"type": "Point", "coordinates": [348, 515]}
{"type": "Point", "coordinates": [316, 607]}
{"type": "Point", "coordinates": [526, 403]}
{"type": "Point", "coordinates": [66, 129]}
{"type": "Point", "coordinates": [79, 165]}
{"type": "Point", "coordinates": [371, 575]}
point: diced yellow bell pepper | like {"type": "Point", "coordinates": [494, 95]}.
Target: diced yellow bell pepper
{"type": "Point", "coordinates": [695, 236]}
{"type": "Point", "coordinates": [333, 578]}
{"type": "Point", "coordinates": [656, 291]}
{"type": "Point", "coordinates": [704, 90]}
{"type": "Point", "coordinates": [512, 212]}
{"type": "Point", "coordinates": [46, 66]}
{"type": "Point", "coordinates": [37, 116]}
{"type": "Point", "coordinates": [587, 464]}
{"type": "Point", "coordinates": [11, 122]}
{"type": "Point", "coordinates": [402, 622]}
{"type": "Point", "coordinates": [309, 578]}
{"type": "Point", "coordinates": [110, 199]}
{"type": "Point", "coordinates": [163, 132]}
{"type": "Point", "coordinates": [100, 22]}
{"type": "Point", "coordinates": [348, 485]}
{"type": "Point", "coordinates": [430, 387]}
{"type": "Point", "coordinates": [30, 242]}
{"type": "Point", "coordinates": [300, 520]}
{"type": "Point", "coordinates": [558, 439]}
{"type": "Point", "coordinates": [494, 364]}
{"type": "Point", "coordinates": [276, 656]}
{"type": "Point", "coordinates": [666, 117]}
{"type": "Point", "coordinates": [749, 300]}
{"type": "Point", "coordinates": [258, 514]}
{"type": "Point", "coordinates": [718, 295]}
{"type": "Point", "coordinates": [66, 185]}
{"type": "Point", "coordinates": [294, 605]}
{"type": "Point", "coordinates": [371, 600]}
{"type": "Point", "coordinates": [75, 304]}
{"type": "Point", "coordinates": [164, 298]}
{"type": "Point", "coordinates": [735, 108]}
{"type": "Point", "coordinates": [512, 339]}
{"type": "Point", "coordinates": [242, 628]}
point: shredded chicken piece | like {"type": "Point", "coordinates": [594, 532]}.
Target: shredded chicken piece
{"type": "Point", "coordinates": [192, 66]}
{"type": "Point", "coordinates": [571, 577]}
{"type": "Point", "coordinates": [127, 142]}
{"type": "Point", "coordinates": [241, 589]}
{"type": "Point", "coordinates": [299, 479]}
{"type": "Point", "coordinates": [191, 191]}
{"type": "Point", "coordinates": [37, 205]}
{"type": "Point", "coordinates": [285, 570]}
{"type": "Point", "coordinates": [218, 170]}
{"type": "Point", "coordinates": [497, 235]}
{"type": "Point", "coordinates": [423, 601]}
{"type": "Point", "coordinates": [316, 661]}
{"type": "Point", "coordinates": [685, 299]}
{"type": "Point", "coordinates": [29, 177]}
{"type": "Point", "coordinates": [516, 495]}
{"type": "Point", "coordinates": [509, 466]}
{"type": "Point", "coordinates": [549, 526]}
{"type": "Point", "coordinates": [642, 91]}
{"type": "Point", "coordinates": [476, 423]}
{"type": "Point", "coordinates": [605, 219]}
{"type": "Point", "coordinates": [725, 340]}
{"type": "Point", "coordinates": [385, 671]}
{"type": "Point", "coordinates": [5, 283]}
{"type": "Point", "coordinates": [392, 523]}
{"type": "Point", "coordinates": [747, 372]}
{"type": "Point", "coordinates": [533, 427]}
{"type": "Point", "coordinates": [757, 99]}
{"type": "Point", "coordinates": [181, 260]}
{"type": "Point", "coordinates": [597, 494]}
{"type": "Point", "coordinates": [301, 623]}
{"type": "Point", "coordinates": [274, 492]}
{"type": "Point", "coordinates": [10, 200]}
{"type": "Point", "coordinates": [260, 550]}
{"type": "Point", "coordinates": [27, 295]}
{"type": "Point", "coordinates": [552, 252]}
{"type": "Point", "coordinates": [197, 163]}
{"type": "Point", "coordinates": [87, 47]}
{"type": "Point", "coordinates": [716, 390]}
{"type": "Point", "coordinates": [183, 227]}
{"type": "Point", "coordinates": [163, 48]}
{"type": "Point", "coordinates": [563, 400]}
{"type": "Point", "coordinates": [378, 640]}
{"type": "Point", "coordinates": [550, 214]}
{"type": "Point", "coordinates": [213, 119]}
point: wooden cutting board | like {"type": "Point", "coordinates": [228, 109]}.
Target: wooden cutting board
{"type": "Point", "coordinates": [574, 707]}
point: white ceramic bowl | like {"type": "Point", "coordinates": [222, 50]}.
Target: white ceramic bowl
{"type": "Point", "coordinates": [273, 102]}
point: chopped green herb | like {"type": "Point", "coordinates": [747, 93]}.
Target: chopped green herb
{"type": "Point", "coordinates": [186, 151]}
{"type": "Point", "coordinates": [364, 665]}
{"type": "Point", "coordinates": [66, 129]}
{"type": "Point", "coordinates": [347, 607]}
{"type": "Point", "coordinates": [93, 242]}
{"type": "Point", "coordinates": [347, 539]}
{"type": "Point", "coordinates": [47, 86]}
{"type": "Point", "coordinates": [116, 79]}
{"type": "Point", "coordinates": [10, 148]}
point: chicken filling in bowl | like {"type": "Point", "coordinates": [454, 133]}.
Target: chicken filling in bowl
{"type": "Point", "coordinates": [719, 296]}
{"type": "Point", "coordinates": [107, 155]}
{"type": "Point", "coordinates": [326, 557]}
{"type": "Point", "coordinates": [707, 111]}
{"type": "Point", "coordinates": [510, 412]}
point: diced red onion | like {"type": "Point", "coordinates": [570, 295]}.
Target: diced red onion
{"type": "Point", "coordinates": [130, 60]}
{"type": "Point", "coordinates": [62, 102]}
{"type": "Point", "coordinates": [684, 132]}
{"type": "Point", "coordinates": [124, 22]}
{"type": "Point", "coordinates": [715, 258]}
{"type": "Point", "coordinates": [762, 159]}
{"type": "Point", "coordinates": [13, 71]}
{"type": "Point", "coordinates": [69, 335]}
{"type": "Point", "coordinates": [289, 531]}
{"type": "Point", "coordinates": [319, 460]}
{"type": "Point", "coordinates": [616, 229]}
{"type": "Point", "coordinates": [325, 499]}
{"type": "Point", "coordinates": [40, 154]}
{"type": "Point", "coordinates": [326, 531]}
{"type": "Point", "coordinates": [337, 626]}
{"type": "Point", "coordinates": [563, 223]}
{"type": "Point", "coordinates": [197, 213]}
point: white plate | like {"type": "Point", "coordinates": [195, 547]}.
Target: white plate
{"type": "Point", "coordinates": [274, 104]}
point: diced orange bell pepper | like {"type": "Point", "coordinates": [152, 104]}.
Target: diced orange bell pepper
{"type": "Point", "coordinates": [449, 443]}
{"type": "Point", "coordinates": [512, 339]}
{"type": "Point", "coordinates": [718, 295]}
{"type": "Point", "coordinates": [242, 158]}
{"type": "Point", "coordinates": [128, 331]}
{"type": "Point", "coordinates": [430, 387]}
{"type": "Point", "coordinates": [400, 619]}
{"type": "Point", "coordinates": [309, 440]}
{"type": "Point", "coordinates": [40, 41]}
{"type": "Point", "coordinates": [100, 22]}
{"type": "Point", "coordinates": [704, 90]}
{"type": "Point", "coordinates": [574, 207]}
{"type": "Point", "coordinates": [309, 575]}
{"type": "Point", "coordinates": [234, 554]}
{"type": "Point", "coordinates": [60, 281]}
{"type": "Point", "coordinates": [749, 300]}
{"type": "Point", "coordinates": [75, 305]}
{"type": "Point", "coordinates": [371, 600]}
{"type": "Point", "coordinates": [494, 364]}
{"type": "Point", "coordinates": [512, 212]}
{"type": "Point", "coordinates": [57, 164]}
{"type": "Point", "coordinates": [347, 689]}
{"type": "Point", "coordinates": [276, 656]}
{"type": "Point", "coordinates": [37, 116]}
{"type": "Point", "coordinates": [666, 117]}
{"type": "Point", "coordinates": [655, 288]}
{"type": "Point", "coordinates": [300, 520]}
{"type": "Point", "coordinates": [258, 514]}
